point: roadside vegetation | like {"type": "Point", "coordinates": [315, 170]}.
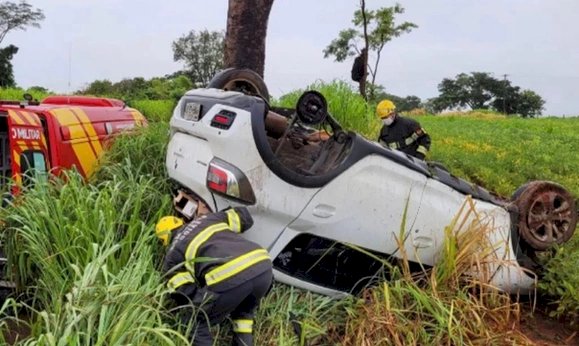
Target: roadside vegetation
{"type": "Point", "coordinates": [17, 93]}
{"type": "Point", "coordinates": [87, 259]}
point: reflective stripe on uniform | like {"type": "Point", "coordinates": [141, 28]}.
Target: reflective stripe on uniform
{"type": "Point", "coordinates": [235, 266]}
{"type": "Point", "coordinates": [408, 140]}
{"type": "Point", "coordinates": [234, 222]}
{"type": "Point", "coordinates": [180, 279]}
{"type": "Point", "coordinates": [243, 326]}
{"type": "Point", "coordinates": [411, 139]}
{"type": "Point", "coordinates": [422, 149]}
{"type": "Point", "coordinates": [193, 247]}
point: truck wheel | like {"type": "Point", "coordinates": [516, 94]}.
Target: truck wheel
{"type": "Point", "coordinates": [547, 214]}
{"type": "Point", "coordinates": [243, 80]}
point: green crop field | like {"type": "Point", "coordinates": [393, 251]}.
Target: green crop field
{"type": "Point", "coordinates": [87, 260]}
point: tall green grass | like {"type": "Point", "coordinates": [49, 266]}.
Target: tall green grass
{"type": "Point", "coordinates": [16, 94]}
{"type": "Point", "coordinates": [445, 305]}
{"type": "Point", "coordinates": [155, 110]}
{"type": "Point", "coordinates": [145, 149]}
{"type": "Point", "coordinates": [88, 261]}
{"type": "Point", "coordinates": [86, 254]}
{"type": "Point", "coordinates": [289, 316]}
{"type": "Point", "coordinates": [348, 107]}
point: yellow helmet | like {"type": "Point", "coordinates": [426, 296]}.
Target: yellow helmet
{"type": "Point", "coordinates": [165, 226]}
{"type": "Point", "coordinates": [385, 108]}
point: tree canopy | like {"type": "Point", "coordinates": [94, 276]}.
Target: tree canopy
{"type": "Point", "coordinates": [6, 73]}
{"type": "Point", "coordinates": [18, 16]}
{"type": "Point", "coordinates": [202, 53]}
{"type": "Point", "coordinates": [158, 88]}
{"type": "Point", "coordinates": [372, 30]}
{"type": "Point", "coordinates": [480, 90]}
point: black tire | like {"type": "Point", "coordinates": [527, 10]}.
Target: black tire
{"type": "Point", "coordinates": [519, 191]}
{"type": "Point", "coordinates": [242, 80]}
{"type": "Point", "coordinates": [547, 214]}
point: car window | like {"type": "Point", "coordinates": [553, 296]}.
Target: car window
{"type": "Point", "coordinates": [32, 166]}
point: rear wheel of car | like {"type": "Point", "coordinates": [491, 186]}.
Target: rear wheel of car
{"type": "Point", "coordinates": [547, 214]}
{"type": "Point", "coordinates": [242, 80]}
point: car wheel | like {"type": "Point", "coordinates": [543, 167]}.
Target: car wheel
{"type": "Point", "coordinates": [547, 214]}
{"type": "Point", "coordinates": [242, 80]}
{"type": "Point", "coordinates": [518, 191]}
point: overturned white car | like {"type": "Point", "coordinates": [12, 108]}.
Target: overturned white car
{"type": "Point", "coordinates": [312, 194]}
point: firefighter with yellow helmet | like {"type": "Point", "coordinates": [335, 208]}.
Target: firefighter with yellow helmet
{"type": "Point", "coordinates": [400, 133]}
{"type": "Point", "coordinates": [209, 265]}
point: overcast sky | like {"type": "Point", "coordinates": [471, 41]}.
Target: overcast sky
{"type": "Point", "coordinates": [535, 42]}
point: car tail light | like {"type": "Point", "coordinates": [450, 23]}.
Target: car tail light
{"type": "Point", "coordinates": [228, 180]}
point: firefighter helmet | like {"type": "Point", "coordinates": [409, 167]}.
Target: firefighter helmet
{"type": "Point", "coordinates": [385, 108]}
{"type": "Point", "coordinates": [165, 226]}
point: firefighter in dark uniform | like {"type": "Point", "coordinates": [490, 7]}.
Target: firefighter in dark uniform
{"type": "Point", "coordinates": [209, 265]}
{"type": "Point", "coordinates": [401, 133]}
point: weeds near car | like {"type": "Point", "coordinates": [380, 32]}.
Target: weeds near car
{"type": "Point", "coordinates": [16, 94]}
{"type": "Point", "coordinates": [349, 108]}
{"type": "Point", "coordinates": [444, 305]}
{"type": "Point", "coordinates": [155, 110]}
{"type": "Point", "coordinates": [87, 258]}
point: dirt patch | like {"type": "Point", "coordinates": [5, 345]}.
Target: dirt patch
{"type": "Point", "coordinates": [546, 331]}
{"type": "Point", "coordinates": [16, 332]}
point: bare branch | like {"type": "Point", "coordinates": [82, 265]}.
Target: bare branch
{"type": "Point", "coordinates": [18, 16]}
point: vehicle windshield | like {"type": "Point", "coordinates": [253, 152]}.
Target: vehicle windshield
{"type": "Point", "coordinates": [312, 156]}
{"type": "Point", "coordinates": [301, 154]}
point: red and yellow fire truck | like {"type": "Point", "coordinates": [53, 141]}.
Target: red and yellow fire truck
{"type": "Point", "coordinates": [61, 132]}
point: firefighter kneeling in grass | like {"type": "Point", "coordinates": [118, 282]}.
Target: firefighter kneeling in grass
{"type": "Point", "coordinates": [208, 264]}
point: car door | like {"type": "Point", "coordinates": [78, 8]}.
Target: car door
{"type": "Point", "coordinates": [28, 149]}
{"type": "Point", "coordinates": [371, 205]}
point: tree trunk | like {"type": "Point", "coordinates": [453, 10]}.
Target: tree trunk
{"type": "Point", "coordinates": [246, 32]}
{"type": "Point", "coordinates": [362, 85]}
{"type": "Point", "coordinates": [364, 51]}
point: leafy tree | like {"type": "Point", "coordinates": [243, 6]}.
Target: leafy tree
{"type": "Point", "coordinates": [475, 91]}
{"type": "Point", "coordinates": [168, 88]}
{"type": "Point", "coordinates": [506, 97]}
{"type": "Point", "coordinates": [530, 104]}
{"type": "Point", "coordinates": [158, 88]}
{"type": "Point", "coordinates": [202, 53]}
{"type": "Point", "coordinates": [98, 88]}
{"type": "Point", "coordinates": [131, 88]}
{"type": "Point", "coordinates": [18, 16]}
{"type": "Point", "coordinates": [527, 103]}
{"type": "Point", "coordinates": [38, 90]}
{"type": "Point", "coordinates": [479, 90]}
{"type": "Point", "coordinates": [246, 32]}
{"type": "Point", "coordinates": [6, 74]}
{"type": "Point", "coordinates": [14, 16]}
{"type": "Point", "coordinates": [373, 29]}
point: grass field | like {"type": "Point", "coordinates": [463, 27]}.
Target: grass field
{"type": "Point", "coordinates": [88, 261]}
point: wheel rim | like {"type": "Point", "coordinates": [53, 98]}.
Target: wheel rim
{"type": "Point", "coordinates": [242, 85]}
{"type": "Point", "coordinates": [550, 217]}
